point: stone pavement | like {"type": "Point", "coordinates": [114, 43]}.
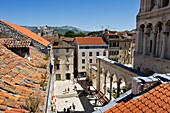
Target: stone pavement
{"type": "Point", "coordinates": [65, 100]}
{"type": "Point", "coordinates": [83, 102]}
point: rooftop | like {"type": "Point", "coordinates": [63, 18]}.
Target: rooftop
{"type": "Point", "coordinates": [155, 101]}
{"type": "Point", "coordinates": [19, 79]}
{"type": "Point", "coordinates": [12, 43]}
{"type": "Point", "coordinates": [154, 98]}
{"type": "Point", "coordinates": [61, 44]}
{"type": "Point", "coordinates": [28, 33]}
{"type": "Point", "coordinates": [90, 41]}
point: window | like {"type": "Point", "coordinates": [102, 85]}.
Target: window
{"type": "Point", "coordinates": [96, 60]}
{"type": "Point", "coordinates": [114, 44]}
{"type": "Point", "coordinates": [57, 66]}
{"type": "Point", "coordinates": [90, 53]}
{"type": "Point", "coordinates": [114, 52]}
{"type": "Point", "coordinates": [125, 52]}
{"type": "Point", "coordinates": [58, 76]}
{"type": "Point", "coordinates": [83, 54]}
{"type": "Point", "coordinates": [68, 66]}
{"type": "Point", "coordinates": [90, 60]}
{"type": "Point", "coordinates": [83, 61]}
{"type": "Point", "coordinates": [93, 47]}
{"type": "Point", "coordinates": [104, 53]}
{"type": "Point", "coordinates": [67, 50]}
{"type": "Point", "coordinates": [97, 53]}
{"type": "Point", "coordinates": [67, 58]}
{"type": "Point", "coordinates": [83, 67]}
{"type": "Point", "coordinates": [125, 44]}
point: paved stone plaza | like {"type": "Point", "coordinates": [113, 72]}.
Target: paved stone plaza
{"type": "Point", "coordinates": [65, 100]}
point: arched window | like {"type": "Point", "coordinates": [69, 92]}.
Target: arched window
{"type": "Point", "coordinates": [152, 4]}
{"type": "Point", "coordinates": [165, 3]}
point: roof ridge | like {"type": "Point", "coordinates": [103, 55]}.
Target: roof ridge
{"type": "Point", "coordinates": [28, 33]}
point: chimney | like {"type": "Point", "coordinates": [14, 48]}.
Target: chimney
{"type": "Point", "coordinates": [140, 84]}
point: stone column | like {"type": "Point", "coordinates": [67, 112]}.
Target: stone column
{"type": "Point", "coordinates": [111, 89]}
{"type": "Point", "coordinates": [118, 88]}
{"type": "Point", "coordinates": [165, 29]}
{"type": "Point", "coordinates": [137, 41]}
{"type": "Point", "coordinates": [105, 75]}
{"type": "Point", "coordinates": [98, 75]}
{"type": "Point", "coordinates": [144, 43]}
{"type": "Point", "coordinates": [163, 45]}
{"type": "Point", "coordinates": [157, 44]}
{"type": "Point", "coordinates": [153, 43]}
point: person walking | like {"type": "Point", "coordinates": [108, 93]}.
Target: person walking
{"type": "Point", "coordinates": [68, 89]}
{"type": "Point", "coordinates": [64, 110]}
{"type": "Point", "coordinates": [74, 107]}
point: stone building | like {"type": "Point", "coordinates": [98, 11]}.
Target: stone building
{"type": "Point", "coordinates": [47, 31]}
{"type": "Point", "coordinates": [120, 48]}
{"type": "Point", "coordinates": [63, 60]}
{"type": "Point", "coordinates": [152, 52]}
{"type": "Point", "coordinates": [87, 48]}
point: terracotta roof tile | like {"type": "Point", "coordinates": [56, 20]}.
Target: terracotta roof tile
{"type": "Point", "coordinates": [90, 41]}
{"type": "Point", "coordinates": [157, 100]}
{"type": "Point", "coordinates": [28, 33]}
{"type": "Point", "coordinates": [14, 85]}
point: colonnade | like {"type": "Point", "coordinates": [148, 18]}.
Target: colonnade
{"type": "Point", "coordinates": [152, 40]}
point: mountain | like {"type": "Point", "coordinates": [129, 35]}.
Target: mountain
{"type": "Point", "coordinates": [61, 29]}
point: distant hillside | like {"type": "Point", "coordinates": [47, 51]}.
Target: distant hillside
{"type": "Point", "coordinates": [61, 29]}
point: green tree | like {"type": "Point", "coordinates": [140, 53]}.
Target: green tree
{"type": "Point", "coordinates": [89, 33]}
{"type": "Point", "coordinates": [70, 34]}
{"type": "Point", "coordinates": [80, 34]}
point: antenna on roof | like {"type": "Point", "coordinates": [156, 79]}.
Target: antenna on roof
{"type": "Point", "coordinates": [108, 27]}
{"type": "Point", "coordinates": [102, 27]}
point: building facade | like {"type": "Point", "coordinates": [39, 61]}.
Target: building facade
{"type": "Point", "coordinates": [63, 60]}
{"type": "Point", "coordinates": [120, 48]}
{"type": "Point", "coordinates": [152, 52]}
{"type": "Point", "coordinates": [87, 48]}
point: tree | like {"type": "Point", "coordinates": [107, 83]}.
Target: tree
{"type": "Point", "coordinates": [80, 34]}
{"type": "Point", "coordinates": [70, 34]}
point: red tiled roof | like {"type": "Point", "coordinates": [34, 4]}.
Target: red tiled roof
{"type": "Point", "coordinates": [112, 34]}
{"type": "Point", "coordinates": [19, 79]}
{"type": "Point", "coordinates": [28, 33]}
{"type": "Point", "coordinates": [15, 111]}
{"type": "Point", "coordinates": [69, 39]}
{"type": "Point", "coordinates": [12, 43]}
{"type": "Point", "coordinates": [155, 101]}
{"type": "Point", "coordinates": [90, 41]}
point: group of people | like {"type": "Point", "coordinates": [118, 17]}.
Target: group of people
{"type": "Point", "coordinates": [69, 109]}
{"type": "Point", "coordinates": [67, 90]}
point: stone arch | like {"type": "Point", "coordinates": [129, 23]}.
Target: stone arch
{"type": "Point", "coordinates": [149, 40]}
{"type": "Point", "coordinates": [141, 37]}
{"type": "Point", "coordinates": [167, 23]}
{"type": "Point", "coordinates": [159, 25]}
{"type": "Point", "coordinates": [152, 4]}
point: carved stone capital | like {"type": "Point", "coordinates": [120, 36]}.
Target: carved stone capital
{"type": "Point", "coordinates": [147, 30]}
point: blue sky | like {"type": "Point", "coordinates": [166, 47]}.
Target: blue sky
{"type": "Point", "coordinates": [84, 14]}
